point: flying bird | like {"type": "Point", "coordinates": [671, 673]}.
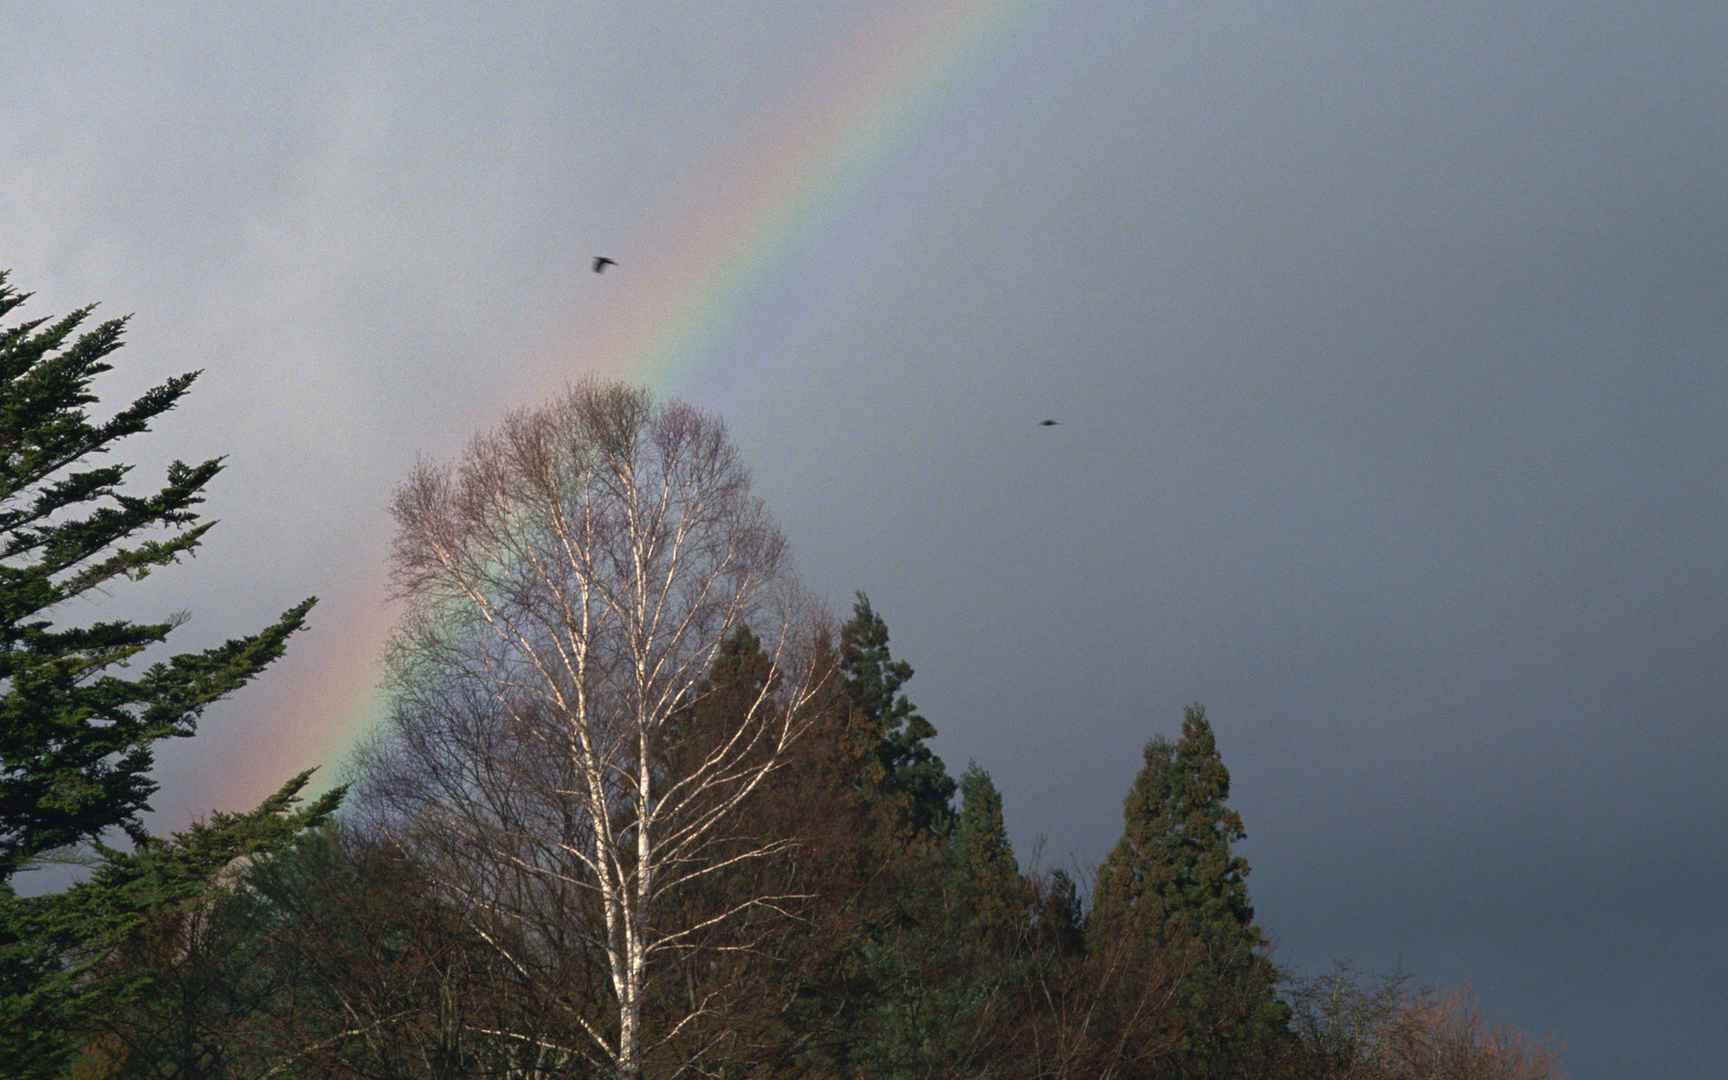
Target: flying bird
{"type": "Point", "coordinates": [1048, 423]}
{"type": "Point", "coordinates": [601, 262]}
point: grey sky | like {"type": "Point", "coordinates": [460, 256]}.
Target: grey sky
{"type": "Point", "coordinates": [1387, 341]}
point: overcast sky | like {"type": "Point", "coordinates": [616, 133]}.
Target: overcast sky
{"type": "Point", "coordinates": [1387, 341]}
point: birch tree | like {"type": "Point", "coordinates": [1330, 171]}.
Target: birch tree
{"type": "Point", "coordinates": [568, 584]}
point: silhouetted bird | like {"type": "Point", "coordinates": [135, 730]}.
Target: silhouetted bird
{"type": "Point", "coordinates": [1048, 423]}
{"type": "Point", "coordinates": [601, 262]}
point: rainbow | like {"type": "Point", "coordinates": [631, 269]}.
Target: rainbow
{"type": "Point", "coordinates": [762, 211]}
{"type": "Point", "coordinates": [765, 207]}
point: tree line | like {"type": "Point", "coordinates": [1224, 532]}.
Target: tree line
{"type": "Point", "coordinates": [640, 809]}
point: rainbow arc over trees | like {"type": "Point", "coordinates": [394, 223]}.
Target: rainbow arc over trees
{"type": "Point", "coordinates": [760, 210]}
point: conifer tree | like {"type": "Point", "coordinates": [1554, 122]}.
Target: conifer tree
{"type": "Point", "coordinates": [991, 892]}
{"type": "Point", "coordinates": [950, 980]}
{"type": "Point", "coordinates": [1174, 885]}
{"type": "Point", "coordinates": [872, 679]}
{"type": "Point", "coordinates": [735, 953]}
{"type": "Point", "coordinates": [741, 674]}
{"type": "Point", "coordinates": [73, 964]}
{"type": "Point", "coordinates": [868, 801]}
{"type": "Point", "coordinates": [77, 735]}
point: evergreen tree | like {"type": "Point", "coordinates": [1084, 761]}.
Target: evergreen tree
{"type": "Point", "coordinates": [1174, 885]}
{"type": "Point", "coordinates": [834, 991]}
{"type": "Point", "coordinates": [336, 957]}
{"type": "Point", "coordinates": [728, 963]}
{"type": "Point", "coordinates": [872, 679]}
{"type": "Point", "coordinates": [740, 675]}
{"type": "Point", "coordinates": [77, 737]}
{"type": "Point", "coordinates": [948, 978]}
{"type": "Point", "coordinates": [73, 964]}
{"type": "Point", "coordinates": [991, 894]}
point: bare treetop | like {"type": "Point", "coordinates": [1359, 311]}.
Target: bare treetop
{"type": "Point", "coordinates": [569, 582]}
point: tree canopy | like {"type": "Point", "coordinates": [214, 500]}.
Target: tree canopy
{"type": "Point", "coordinates": [77, 733]}
{"type": "Point", "coordinates": [1174, 884]}
{"type": "Point", "coordinates": [872, 679]}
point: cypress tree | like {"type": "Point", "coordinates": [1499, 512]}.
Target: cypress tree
{"type": "Point", "coordinates": [76, 735]}
{"type": "Point", "coordinates": [872, 679]}
{"type": "Point", "coordinates": [75, 964]}
{"type": "Point", "coordinates": [739, 676]}
{"type": "Point", "coordinates": [1174, 886]}
{"type": "Point", "coordinates": [870, 801]}
{"type": "Point", "coordinates": [991, 893]}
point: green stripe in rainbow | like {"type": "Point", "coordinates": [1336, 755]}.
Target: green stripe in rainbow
{"type": "Point", "coordinates": [880, 102]}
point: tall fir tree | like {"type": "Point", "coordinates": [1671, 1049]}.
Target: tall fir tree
{"type": "Point", "coordinates": [740, 675]}
{"type": "Point", "coordinates": [1174, 885]}
{"type": "Point", "coordinates": [872, 679]}
{"type": "Point", "coordinates": [728, 964]}
{"type": "Point", "coordinates": [76, 736]}
{"type": "Point", "coordinates": [867, 804]}
{"type": "Point", "coordinates": [950, 981]}
{"type": "Point", "coordinates": [991, 895]}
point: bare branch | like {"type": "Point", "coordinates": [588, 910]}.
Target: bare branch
{"type": "Point", "coordinates": [569, 585]}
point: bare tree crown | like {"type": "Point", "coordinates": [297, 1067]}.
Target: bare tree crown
{"type": "Point", "coordinates": [568, 584]}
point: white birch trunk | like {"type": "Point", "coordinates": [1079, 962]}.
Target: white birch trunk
{"type": "Point", "coordinates": [576, 574]}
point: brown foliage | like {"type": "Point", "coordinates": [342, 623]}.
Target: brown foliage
{"type": "Point", "coordinates": [1350, 1029]}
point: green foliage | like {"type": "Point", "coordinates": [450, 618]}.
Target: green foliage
{"type": "Point", "coordinates": [738, 683]}
{"type": "Point", "coordinates": [75, 738]}
{"type": "Point", "coordinates": [77, 735]}
{"type": "Point", "coordinates": [872, 679]}
{"type": "Point", "coordinates": [1174, 885]}
{"type": "Point", "coordinates": [72, 961]}
{"type": "Point", "coordinates": [944, 976]}
{"type": "Point", "coordinates": [990, 894]}
{"type": "Point", "coordinates": [334, 957]}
